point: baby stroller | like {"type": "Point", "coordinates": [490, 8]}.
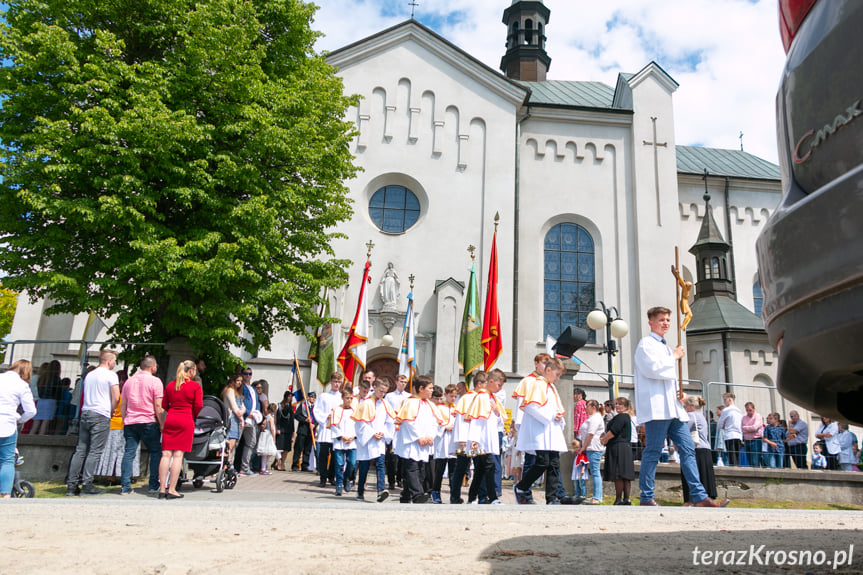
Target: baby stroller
{"type": "Point", "coordinates": [21, 488]}
{"type": "Point", "coordinates": [209, 455]}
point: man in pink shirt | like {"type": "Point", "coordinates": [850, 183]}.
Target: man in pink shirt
{"type": "Point", "coordinates": [143, 417]}
{"type": "Point", "coordinates": [753, 430]}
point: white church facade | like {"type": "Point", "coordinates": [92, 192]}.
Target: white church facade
{"type": "Point", "coordinates": [592, 192]}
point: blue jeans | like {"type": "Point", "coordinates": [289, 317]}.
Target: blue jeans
{"type": "Point", "coordinates": [655, 432]}
{"type": "Point", "coordinates": [753, 451]}
{"type": "Point", "coordinates": [134, 434]}
{"type": "Point", "coordinates": [343, 472]}
{"type": "Point", "coordinates": [774, 459]}
{"type": "Point", "coordinates": [7, 462]}
{"type": "Point", "coordinates": [580, 488]}
{"type": "Point", "coordinates": [594, 458]}
{"type": "Point", "coordinates": [380, 471]}
{"type": "Point", "coordinates": [92, 434]}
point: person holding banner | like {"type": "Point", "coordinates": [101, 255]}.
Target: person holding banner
{"type": "Point", "coordinates": [659, 405]}
{"type": "Point", "coordinates": [322, 410]}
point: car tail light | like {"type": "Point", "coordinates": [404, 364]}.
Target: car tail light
{"type": "Point", "coordinates": [791, 15]}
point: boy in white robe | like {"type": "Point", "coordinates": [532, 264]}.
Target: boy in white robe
{"type": "Point", "coordinates": [375, 423]}
{"type": "Point", "coordinates": [444, 445]}
{"type": "Point", "coordinates": [541, 433]}
{"type": "Point", "coordinates": [344, 434]}
{"type": "Point", "coordinates": [417, 423]}
{"type": "Point", "coordinates": [485, 412]}
{"type": "Point", "coordinates": [323, 408]}
{"type": "Point", "coordinates": [461, 424]}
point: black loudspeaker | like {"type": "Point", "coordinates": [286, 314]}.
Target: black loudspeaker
{"type": "Point", "coordinates": [570, 341]}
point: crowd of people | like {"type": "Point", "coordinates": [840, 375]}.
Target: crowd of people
{"type": "Point", "coordinates": [415, 440]}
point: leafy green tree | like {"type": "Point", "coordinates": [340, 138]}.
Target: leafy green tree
{"type": "Point", "coordinates": [8, 303]}
{"type": "Point", "coordinates": [175, 165]}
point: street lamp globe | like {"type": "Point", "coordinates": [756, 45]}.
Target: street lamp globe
{"type": "Point", "coordinates": [387, 340]}
{"type": "Point", "coordinates": [597, 319]}
{"type": "Point", "coordinates": [619, 328]}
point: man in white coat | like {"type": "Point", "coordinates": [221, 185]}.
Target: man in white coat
{"type": "Point", "coordinates": [375, 428]}
{"type": "Point", "coordinates": [660, 407]}
{"type": "Point", "coordinates": [324, 406]}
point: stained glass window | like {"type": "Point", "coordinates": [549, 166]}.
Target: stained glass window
{"type": "Point", "coordinates": [570, 279]}
{"type": "Point", "coordinates": [394, 209]}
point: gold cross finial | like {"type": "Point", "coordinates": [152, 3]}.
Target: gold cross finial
{"type": "Point", "coordinates": [369, 245]}
{"type": "Point", "coordinates": [411, 278]}
{"type": "Point", "coordinates": [471, 248]}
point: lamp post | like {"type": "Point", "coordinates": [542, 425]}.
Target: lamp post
{"type": "Point", "coordinates": [608, 318]}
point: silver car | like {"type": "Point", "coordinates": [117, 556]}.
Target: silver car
{"type": "Point", "coordinates": [810, 253]}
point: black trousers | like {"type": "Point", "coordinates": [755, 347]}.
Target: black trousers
{"type": "Point", "coordinates": [440, 466]}
{"type": "Point", "coordinates": [462, 464]}
{"type": "Point", "coordinates": [411, 481]}
{"type": "Point", "coordinates": [547, 462]}
{"type": "Point", "coordinates": [394, 466]}
{"type": "Point", "coordinates": [483, 472]}
{"type": "Point", "coordinates": [798, 455]}
{"type": "Point", "coordinates": [302, 447]}
{"type": "Point", "coordinates": [326, 462]}
{"type": "Point", "coordinates": [732, 447]}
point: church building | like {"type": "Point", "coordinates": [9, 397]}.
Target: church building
{"type": "Point", "coordinates": [592, 192]}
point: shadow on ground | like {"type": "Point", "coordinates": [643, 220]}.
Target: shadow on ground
{"type": "Point", "coordinates": [718, 551]}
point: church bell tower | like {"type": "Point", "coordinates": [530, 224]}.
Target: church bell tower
{"type": "Point", "coordinates": [525, 57]}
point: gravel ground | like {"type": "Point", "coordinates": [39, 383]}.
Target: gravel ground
{"type": "Point", "coordinates": [284, 523]}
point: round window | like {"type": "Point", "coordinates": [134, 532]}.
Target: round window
{"type": "Point", "coordinates": [394, 209]}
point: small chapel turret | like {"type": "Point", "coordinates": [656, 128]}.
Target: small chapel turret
{"type": "Point", "coordinates": [526, 58]}
{"type": "Point", "coordinates": [711, 256]}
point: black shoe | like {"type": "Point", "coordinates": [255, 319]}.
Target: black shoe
{"type": "Point", "coordinates": [383, 495]}
{"type": "Point", "coordinates": [172, 496]}
{"type": "Point", "coordinates": [421, 498]}
{"type": "Point", "coordinates": [91, 490]}
{"type": "Point", "coordinates": [72, 491]}
{"type": "Point", "coordinates": [322, 484]}
{"type": "Point", "coordinates": [458, 501]}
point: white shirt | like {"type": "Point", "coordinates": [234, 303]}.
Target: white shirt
{"type": "Point", "coordinates": [595, 425]}
{"type": "Point", "coordinates": [406, 444]}
{"type": "Point", "coordinates": [368, 447]}
{"type": "Point", "coordinates": [323, 407]}
{"type": "Point", "coordinates": [832, 442]}
{"type": "Point", "coordinates": [396, 398]}
{"type": "Point", "coordinates": [346, 427]}
{"type": "Point", "coordinates": [444, 445]}
{"type": "Point", "coordinates": [97, 391]}
{"type": "Point", "coordinates": [730, 423]}
{"type": "Point", "coordinates": [656, 382]}
{"type": "Point", "coordinates": [14, 391]}
{"type": "Point", "coordinates": [539, 431]}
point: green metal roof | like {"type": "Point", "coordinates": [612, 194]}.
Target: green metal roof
{"type": "Point", "coordinates": [730, 163]}
{"type": "Point", "coordinates": [566, 93]}
{"type": "Point", "coordinates": [721, 313]}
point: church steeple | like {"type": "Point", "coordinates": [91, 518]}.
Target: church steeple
{"type": "Point", "coordinates": [525, 57]}
{"type": "Point", "coordinates": [711, 258]}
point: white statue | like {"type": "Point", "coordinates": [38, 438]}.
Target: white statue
{"type": "Point", "coordinates": [390, 287]}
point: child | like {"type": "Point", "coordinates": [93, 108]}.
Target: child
{"type": "Point", "coordinates": [818, 460]}
{"type": "Point", "coordinates": [266, 442]}
{"type": "Point", "coordinates": [774, 439]}
{"type": "Point", "coordinates": [344, 434]}
{"type": "Point", "coordinates": [417, 422]}
{"type": "Point", "coordinates": [375, 426]}
{"type": "Point", "coordinates": [539, 363]}
{"type": "Point", "coordinates": [444, 446]}
{"type": "Point", "coordinates": [580, 472]}
{"type": "Point", "coordinates": [541, 431]}
{"type": "Point", "coordinates": [484, 412]}
{"type": "Point", "coordinates": [461, 423]}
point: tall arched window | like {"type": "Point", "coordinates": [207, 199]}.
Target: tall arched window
{"type": "Point", "coordinates": [570, 278]}
{"type": "Point", "coordinates": [528, 31]}
{"type": "Point", "coordinates": [757, 298]}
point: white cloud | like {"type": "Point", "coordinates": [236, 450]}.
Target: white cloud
{"type": "Point", "coordinates": [725, 54]}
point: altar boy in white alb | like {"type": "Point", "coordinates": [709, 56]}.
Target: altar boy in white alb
{"type": "Point", "coordinates": [541, 433]}
{"type": "Point", "coordinates": [485, 413]}
{"type": "Point", "coordinates": [343, 428]}
{"type": "Point", "coordinates": [375, 422]}
{"type": "Point", "coordinates": [323, 408]}
{"type": "Point", "coordinates": [417, 421]}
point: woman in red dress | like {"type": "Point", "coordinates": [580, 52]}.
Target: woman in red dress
{"type": "Point", "coordinates": [182, 401]}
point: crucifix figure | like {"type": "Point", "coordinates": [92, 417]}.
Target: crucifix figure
{"type": "Point", "coordinates": [656, 145]}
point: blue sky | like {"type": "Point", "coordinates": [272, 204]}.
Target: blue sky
{"type": "Point", "coordinates": [725, 54]}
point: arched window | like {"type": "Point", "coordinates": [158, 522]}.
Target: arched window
{"type": "Point", "coordinates": [706, 268]}
{"type": "Point", "coordinates": [757, 298]}
{"type": "Point", "coordinates": [528, 31]}
{"type": "Point", "coordinates": [570, 278]}
{"type": "Point", "coordinates": [394, 209]}
{"type": "Point", "coordinates": [714, 268]}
